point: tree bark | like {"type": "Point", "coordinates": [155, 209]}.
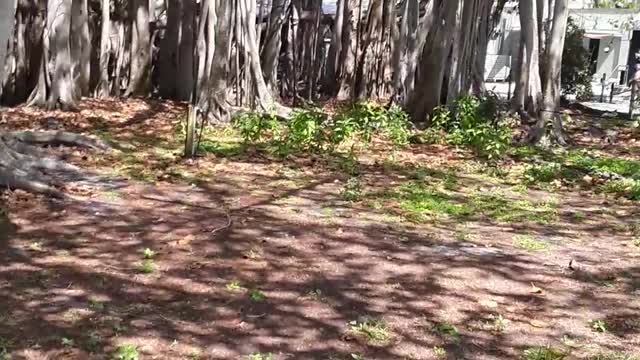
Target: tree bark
{"type": "Point", "coordinates": [530, 74]}
{"type": "Point", "coordinates": [553, 61]}
{"type": "Point", "coordinates": [349, 50]}
{"type": "Point", "coordinates": [7, 12]}
{"type": "Point", "coordinates": [433, 61]}
{"type": "Point", "coordinates": [139, 76]}
{"type": "Point", "coordinates": [105, 50]}
{"type": "Point", "coordinates": [80, 45]}
{"type": "Point", "coordinates": [272, 43]}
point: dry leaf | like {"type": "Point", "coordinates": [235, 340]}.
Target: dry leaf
{"type": "Point", "coordinates": [535, 289]}
{"type": "Point", "coordinates": [538, 323]}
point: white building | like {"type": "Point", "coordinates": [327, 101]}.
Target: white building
{"type": "Point", "coordinates": [610, 35]}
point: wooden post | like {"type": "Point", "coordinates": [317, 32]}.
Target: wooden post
{"type": "Point", "coordinates": [603, 82]}
{"type": "Point", "coordinates": [632, 100]}
{"type": "Point", "coordinates": [613, 86]}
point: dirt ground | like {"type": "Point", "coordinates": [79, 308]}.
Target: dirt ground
{"type": "Point", "coordinates": [253, 255]}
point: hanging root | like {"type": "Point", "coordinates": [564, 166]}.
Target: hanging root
{"type": "Point", "coordinates": [30, 168]}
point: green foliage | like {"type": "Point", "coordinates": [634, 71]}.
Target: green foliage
{"type": "Point", "coordinates": [374, 330]}
{"type": "Point", "coordinates": [528, 243]}
{"type": "Point", "coordinates": [474, 123]}
{"type": "Point", "coordinates": [148, 253]}
{"type": "Point", "coordinates": [311, 130]}
{"type": "Point", "coordinates": [365, 119]}
{"type": "Point", "coordinates": [255, 127]}
{"type": "Point", "coordinates": [447, 331]}
{"type": "Point", "coordinates": [600, 326]}
{"type": "Point", "coordinates": [125, 352]}
{"type": "Point", "coordinates": [352, 189]}
{"type": "Point", "coordinates": [260, 356]}
{"type": "Point", "coordinates": [148, 266]}
{"type": "Point", "coordinates": [576, 76]}
{"type": "Point", "coordinates": [305, 130]}
{"type": "Point", "coordinates": [234, 286]}
{"type": "Point", "coordinates": [439, 352]}
{"type": "Point", "coordinates": [257, 295]}
{"type": "Point", "coordinates": [543, 353]}
{"type": "Point", "coordinates": [628, 188]}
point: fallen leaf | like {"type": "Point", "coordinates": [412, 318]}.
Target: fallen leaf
{"type": "Point", "coordinates": [538, 323]}
{"type": "Point", "coordinates": [535, 289]}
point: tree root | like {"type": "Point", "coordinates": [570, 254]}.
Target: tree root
{"type": "Point", "coordinates": [30, 168]}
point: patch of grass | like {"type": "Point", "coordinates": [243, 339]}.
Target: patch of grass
{"type": "Point", "coordinates": [148, 266]}
{"type": "Point", "coordinates": [373, 330]}
{"type": "Point", "coordinates": [447, 331]}
{"type": "Point", "coordinates": [352, 189]}
{"type": "Point", "coordinates": [314, 294]}
{"type": "Point", "coordinates": [234, 286]}
{"type": "Point", "coordinates": [636, 241]}
{"type": "Point", "coordinates": [357, 357]}
{"type": "Point", "coordinates": [499, 323]}
{"type": "Point", "coordinates": [501, 208]}
{"type": "Point", "coordinates": [260, 356]}
{"type": "Point", "coordinates": [148, 254]}
{"type": "Point", "coordinates": [462, 235]}
{"type": "Point", "coordinates": [36, 247]}
{"type": "Point", "coordinates": [257, 295]}
{"type": "Point", "coordinates": [195, 354]}
{"type": "Point", "coordinates": [67, 342]}
{"type": "Point", "coordinates": [629, 188]}
{"type": "Point", "coordinates": [528, 243]}
{"type": "Point", "coordinates": [600, 326]}
{"type": "Point", "coordinates": [125, 352]}
{"type": "Point", "coordinates": [222, 149]}
{"type": "Point", "coordinates": [439, 352]}
{"type": "Point", "coordinates": [96, 305]}
{"type": "Point", "coordinates": [418, 199]}
{"type": "Point", "coordinates": [6, 345]}
{"type": "Point", "coordinates": [543, 353]}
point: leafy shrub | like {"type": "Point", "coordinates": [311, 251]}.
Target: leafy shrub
{"type": "Point", "coordinates": [576, 75]}
{"type": "Point", "coordinates": [474, 122]}
{"type": "Point", "coordinates": [312, 130]}
{"type": "Point", "coordinates": [253, 127]}
{"type": "Point", "coordinates": [352, 190]}
{"type": "Point", "coordinates": [365, 119]}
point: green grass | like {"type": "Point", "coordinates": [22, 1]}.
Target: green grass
{"type": "Point", "coordinates": [528, 243]}
{"type": "Point", "coordinates": [600, 326]}
{"type": "Point", "coordinates": [447, 331]}
{"type": "Point", "coordinates": [373, 330]}
{"type": "Point", "coordinates": [439, 352]}
{"type": "Point", "coordinates": [636, 241]}
{"type": "Point", "coordinates": [257, 295]}
{"type": "Point", "coordinates": [260, 356]}
{"type": "Point", "coordinates": [234, 286]}
{"type": "Point", "coordinates": [352, 190]}
{"type": "Point", "coordinates": [417, 199]}
{"type": "Point", "coordinates": [148, 253]}
{"type": "Point", "coordinates": [148, 266]}
{"type": "Point", "coordinates": [543, 353]}
{"type": "Point", "coordinates": [125, 352]}
{"type": "Point", "coordinates": [499, 323]}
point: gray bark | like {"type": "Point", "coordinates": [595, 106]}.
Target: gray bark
{"type": "Point", "coordinates": [433, 61]}
{"type": "Point", "coordinates": [80, 45]}
{"type": "Point", "coordinates": [272, 43]}
{"type": "Point", "coordinates": [552, 89]}
{"type": "Point", "coordinates": [7, 12]}
{"type": "Point", "coordinates": [105, 50]}
{"type": "Point", "coordinates": [139, 76]}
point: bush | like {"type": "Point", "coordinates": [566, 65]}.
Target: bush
{"type": "Point", "coordinates": [474, 122]}
{"type": "Point", "coordinates": [312, 130]}
{"type": "Point", "coordinates": [576, 76]}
